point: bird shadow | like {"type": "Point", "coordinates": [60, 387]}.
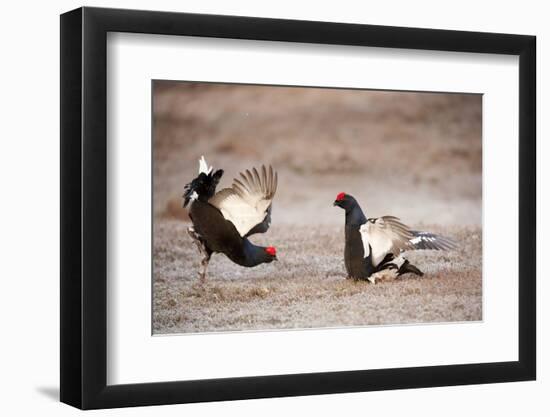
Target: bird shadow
{"type": "Point", "coordinates": [50, 392]}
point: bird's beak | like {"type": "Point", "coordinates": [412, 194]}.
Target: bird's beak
{"type": "Point", "coordinates": [334, 204]}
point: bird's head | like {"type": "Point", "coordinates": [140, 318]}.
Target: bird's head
{"type": "Point", "coordinates": [345, 201]}
{"type": "Point", "coordinates": [271, 254]}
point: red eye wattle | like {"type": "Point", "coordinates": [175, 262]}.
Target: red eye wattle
{"type": "Point", "coordinates": [271, 250]}
{"type": "Point", "coordinates": [340, 196]}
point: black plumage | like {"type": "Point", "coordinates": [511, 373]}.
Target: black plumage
{"type": "Point", "coordinates": [375, 244]}
{"type": "Point", "coordinates": [223, 221]}
{"type": "Point", "coordinates": [204, 186]}
{"type": "Point", "coordinates": [220, 235]}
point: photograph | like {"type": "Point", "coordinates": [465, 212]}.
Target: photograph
{"type": "Point", "coordinates": [306, 207]}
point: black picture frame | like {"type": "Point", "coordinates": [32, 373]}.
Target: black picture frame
{"type": "Point", "coordinates": [84, 207]}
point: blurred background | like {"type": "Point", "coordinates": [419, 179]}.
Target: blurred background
{"type": "Point", "coordinates": [417, 156]}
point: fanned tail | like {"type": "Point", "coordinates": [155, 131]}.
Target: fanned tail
{"type": "Point", "coordinates": [203, 187]}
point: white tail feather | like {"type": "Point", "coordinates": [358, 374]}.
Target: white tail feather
{"type": "Point", "coordinates": [203, 166]}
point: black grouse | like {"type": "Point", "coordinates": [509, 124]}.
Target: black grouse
{"type": "Point", "coordinates": [223, 221]}
{"type": "Point", "coordinates": [374, 245]}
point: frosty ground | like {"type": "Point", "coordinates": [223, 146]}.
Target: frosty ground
{"type": "Point", "coordinates": [307, 287]}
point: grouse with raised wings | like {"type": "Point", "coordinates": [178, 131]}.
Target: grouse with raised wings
{"type": "Point", "coordinates": [373, 245]}
{"type": "Point", "coordinates": [223, 221]}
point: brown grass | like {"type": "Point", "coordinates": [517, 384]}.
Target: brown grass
{"type": "Point", "coordinates": [307, 288]}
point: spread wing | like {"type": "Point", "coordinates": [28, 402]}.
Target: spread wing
{"type": "Point", "coordinates": [427, 240]}
{"type": "Point", "coordinates": [247, 204]}
{"type": "Point", "coordinates": [385, 235]}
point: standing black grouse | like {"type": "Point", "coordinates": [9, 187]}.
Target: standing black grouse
{"type": "Point", "coordinates": [223, 221]}
{"type": "Point", "coordinates": [374, 244]}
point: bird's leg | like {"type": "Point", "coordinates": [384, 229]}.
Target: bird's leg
{"type": "Point", "coordinates": [204, 252]}
{"type": "Point", "coordinates": [196, 240]}
{"type": "Point", "coordinates": [204, 263]}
